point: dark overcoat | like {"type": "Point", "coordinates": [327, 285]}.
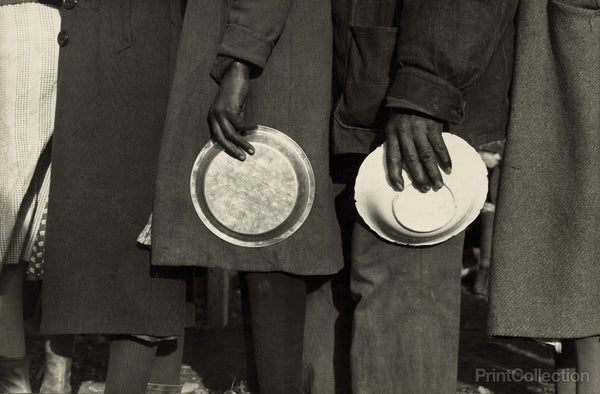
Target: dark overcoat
{"type": "Point", "coordinates": [546, 260]}
{"type": "Point", "coordinates": [289, 46]}
{"type": "Point", "coordinates": [113, 84]}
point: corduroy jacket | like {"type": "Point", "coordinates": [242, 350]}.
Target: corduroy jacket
{"type": "Point", "coordinates": [402, 54]}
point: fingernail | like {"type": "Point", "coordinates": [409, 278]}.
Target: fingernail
{"type": "Point", "coordinates": [437, 186]}
{"type": "Point", "coordinates": [242, 157]}
{"type": "Point", "coordinates": [448, 170]}
{"type": "Point", "coordinates": [425, 188]}
{"type": "Point", "coordinates": [251, 151]}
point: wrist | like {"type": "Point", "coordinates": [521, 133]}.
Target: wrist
{"type": "Point", "coordinates": [239, 68]}
{"type": "Point", "coordinates": [228, 66]}
{"type": "Point", "coordinates": [393, 112]}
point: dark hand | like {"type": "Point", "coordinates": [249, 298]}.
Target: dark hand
{"type": "Point", "coordinates": [226, 116]}
{"type": "Point", "coordinates": [417, 141]}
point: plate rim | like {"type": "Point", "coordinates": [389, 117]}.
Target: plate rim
{"type": "Point", "coordinates": [246, 240]}
{"type": "Point", "coordinates": [411, 238]}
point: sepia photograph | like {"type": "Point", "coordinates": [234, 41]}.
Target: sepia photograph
{"type": "Point", "coordinates": [300, 196]}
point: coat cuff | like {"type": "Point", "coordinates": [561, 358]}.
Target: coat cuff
{"type": "Point", "coordinates": [242, 43]}
{"type": "Point", "coordinates": [418, 90]}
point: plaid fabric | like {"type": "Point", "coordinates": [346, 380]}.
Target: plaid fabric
{"type": "Point", "coordinates": [36, 247]}
{"type": "Point", "coordinates": [28, 66]}
{"type": "Point", "coordinates": [35, 267]}
{"type": "Point", "coordinates": [145, 237]}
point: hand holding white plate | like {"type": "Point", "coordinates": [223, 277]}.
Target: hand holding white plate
{"type": "Point", "coordinates": [410, 217]}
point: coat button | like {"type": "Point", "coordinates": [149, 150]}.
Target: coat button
{"type": "Point", "coordinates": [69, 4]}
{"type": "Point", "coordinates": [63, 38]}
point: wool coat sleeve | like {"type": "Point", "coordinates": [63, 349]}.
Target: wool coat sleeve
{"type": "Point", "coordinates": [442, 48]}
{"type": "Point", "coordinates": [251, 33]}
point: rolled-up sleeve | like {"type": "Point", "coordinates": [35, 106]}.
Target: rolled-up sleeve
{"type": "Point", "coordinates": [443, 46]}
{"type": "Point", "coordinates": [252, 31]}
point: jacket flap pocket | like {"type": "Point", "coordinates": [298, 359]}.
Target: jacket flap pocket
{"type": "Point", "coordinates": [369, 63]}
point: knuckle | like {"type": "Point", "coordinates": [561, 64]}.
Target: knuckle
{"type": "Point", "coordinates": [231, 136]}
{"type": "Point", "coordinates": [411, 160]}
{"type": "Point", "coordinates": [394, 172]}
{"type": "Point", "coordinates": [446, 162]}
{"type": "Point", "coordinates": [419, 181]}
{"type": "Point", "coordinates": [393, 155]}
{"type": "Point", "coordinates": [438, 145]}
{"type": "Point", "coordinates": [216, 109]}
{"type": "Point", "coordinates": [404, 120]}
{"type": "Point", "coordinates": [229, 112]}
{"type": "Point", "coordinates": [420, 122]}
{"type": "Point", "coordinates": [395, 178]}
{"type": "Point", "coordinates": [433, 126]}
{"type": "Point", "coordinates": [389, 129]}
{"type": "Point", "coordinates": [427, 155]}
{"type": "Point", "coordinates": [435, 176]}
{"type": "Point", "coordinates": [391, 160]}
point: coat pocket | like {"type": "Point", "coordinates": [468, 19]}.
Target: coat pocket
{"type": "Point", "coordinates": [120, 23]}
{"type": "Point", "coordinates": [576, 6]}
{"type": "Point", "coordinates": [573, 30]}
{"type": "Point", "coordinates": [113, 23]}
{"type": "Point", "coordinates": [368, 67]}
{"type": "Point", "coordinates": [575, 54]}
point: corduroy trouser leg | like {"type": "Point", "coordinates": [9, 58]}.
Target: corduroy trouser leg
{"type": "Point", "coordinates": [407, 315]}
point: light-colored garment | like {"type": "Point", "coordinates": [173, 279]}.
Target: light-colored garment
{"type": "Point", "coordinates": [28, 69]}
{"type": "Point", "coordinates": [145, 237]}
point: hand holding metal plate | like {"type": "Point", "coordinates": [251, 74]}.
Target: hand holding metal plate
{"type": "Point", "coordinates": [259, 201]}
{"type": "Point", "coordinates": [226, 115]}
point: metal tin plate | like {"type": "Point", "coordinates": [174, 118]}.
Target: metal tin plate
{"type": "Point", "coordinates": [257, 202]}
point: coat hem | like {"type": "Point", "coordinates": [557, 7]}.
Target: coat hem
{"type": "Point", "coordinates": [232, 267]}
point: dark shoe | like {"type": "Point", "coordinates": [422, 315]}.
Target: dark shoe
{"type": "Point", "coordinates": [14, 375]}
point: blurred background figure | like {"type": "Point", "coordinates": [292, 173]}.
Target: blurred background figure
{"type": "Point", "coordinates": [491, 154]}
